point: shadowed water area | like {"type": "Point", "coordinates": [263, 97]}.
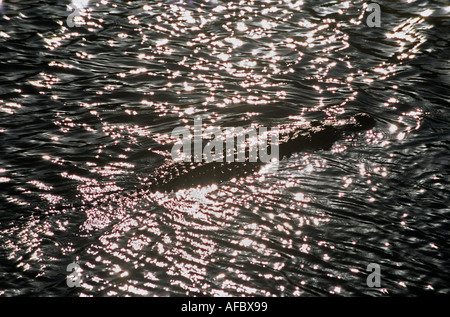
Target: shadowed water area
{"type": "Point", "coordinates": [86, 120]}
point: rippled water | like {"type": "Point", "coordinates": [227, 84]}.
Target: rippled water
{"type": "Point", "coordinates": [87, 113]}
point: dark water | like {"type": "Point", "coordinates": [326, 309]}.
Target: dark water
{"type": "Point", "coordinates": [87, 112]}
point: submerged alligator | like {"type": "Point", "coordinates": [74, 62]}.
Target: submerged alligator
{"type": "Point", "coordinates": [182, 175]}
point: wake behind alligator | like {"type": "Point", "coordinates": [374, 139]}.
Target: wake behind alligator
{"type": "Point", "coordinates": [172, 176]}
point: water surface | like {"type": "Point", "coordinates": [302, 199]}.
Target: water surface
{"type": "Point", "coordinates": [86, 117]}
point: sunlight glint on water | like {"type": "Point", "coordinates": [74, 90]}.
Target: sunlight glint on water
{"type": "Point", "coordinates": [87, 114]}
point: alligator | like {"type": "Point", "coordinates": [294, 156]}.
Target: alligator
{"type": "Point", "coordinates": [173, 176]}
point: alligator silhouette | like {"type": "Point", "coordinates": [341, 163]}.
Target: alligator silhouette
{"type": "Point", "coordinates": [182, 175]}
